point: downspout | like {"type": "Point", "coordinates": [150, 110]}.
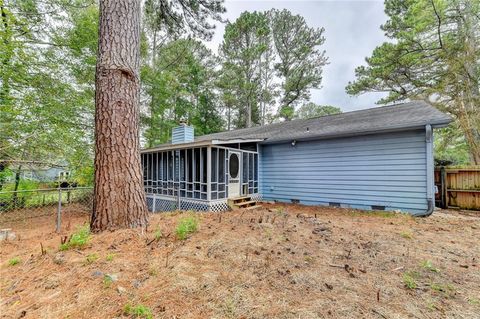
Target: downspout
{"type": "Point", "coordinates": [430, 168]}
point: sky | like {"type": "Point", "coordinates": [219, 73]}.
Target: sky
{"type": "Point", "coordinates": [352, 31]}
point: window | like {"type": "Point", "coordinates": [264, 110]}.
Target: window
{"type": "Point", "coordinates": [234, 165]}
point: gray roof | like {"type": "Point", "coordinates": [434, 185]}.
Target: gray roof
{"type": "Point", "coordinates": [411, 115]}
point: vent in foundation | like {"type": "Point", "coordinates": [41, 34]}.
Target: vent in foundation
{"type": "Point", "coordinates": [333, 204]}
{"type": "Point", "coordinates": [295, 201]}
{"type": "Point", "coordinates": [378, 207]}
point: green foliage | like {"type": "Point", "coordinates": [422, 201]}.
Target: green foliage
{"type": "Point", "coordinates": [432, 54]}
{"type": "Point", "coordinates": [265, 56]}
{"type": "Point", "coordinates": [138, 311]}
{"type": "Point", "coordinates": [110, 257]}
{"type": "Point", "coordinates": [427, 264]}
{"type": "Point", "coordinates": [107, 281]}
{"type": "Point", "coordinates": [410, 279]}
{"type": "Point", "coordinates": [406, 234]}
{"type": "Point", "coordinates": [91, 258]}
{"type": "Point", "coordinates": [446, 289]}
{"type": "Point", "coordinates": [311, 110]}
{"type": "Point", "coordinates": [186, 226]}
{"type": "Point", "coordinates": [181, 17]}
{"type": "Point", "coordinates": [301, 59]}
{"type": "Point", "coordinates": [79, 238]}
{"type": "Point", "coordinates": [180, 87]}
{"type": "Point", "coordinates": [451, 147]}
{"type": "Point", "coordinates": [158, 233]}
{"type": "Point", "coordinates": [14, 261]}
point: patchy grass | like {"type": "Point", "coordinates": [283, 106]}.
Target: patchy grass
{"type": "Point", "coordinates": [446, 289]}
{"type": "Point", "coordinates": [14, 261]}
{"type": "Point", "coordinates": [280, 261]}
{"type": "Point", "coordinates": [107, 281]}
{"type": "Point", "coordinates": [79, 239]}
{"type": "Point", "coordinates": [474, 301]}
{"type": "Point", "coordinates": [158, 233]}
{"type": "Point", "coordinates": [138, 311]}
{"type": "Point", "coordinates": [427, 264]}
{"type": "Point", "coordinates": [410, 279]}
{"type": "Point", "coordinates": [377, 213]}
{"type": "Point", "coordinates": [186, 226]}
{"type": "Point", "coordinates": [406, 235]}
{"type": "Point", "coordinates": [91, 258]}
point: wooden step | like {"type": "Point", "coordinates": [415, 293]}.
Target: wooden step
{"type": "Point", "coordinates": [243, 204]}
{"type": "Point", "coordinates": [240, 199]}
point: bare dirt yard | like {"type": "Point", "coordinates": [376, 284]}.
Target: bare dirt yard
{"type": "Point", "coordinates": [280, 261]}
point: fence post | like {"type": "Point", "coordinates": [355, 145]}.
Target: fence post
{"type": "Point", "coordinates": [59, 210]}
{"type": "Point", "coordinates": [443, 185]}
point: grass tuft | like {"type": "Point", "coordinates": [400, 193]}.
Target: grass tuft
{"type": "Point", "coordinates": [138, 311]}
{"type": "Point", "coordinates": [14, 261]}
{"type": "Point", "coordinates": [375, 213]}
{"type": "Point", "coordinates": [186, 226]}
{"type": "Point", "coordinates": [79, 239]}
{"type": "Point", "coordinates": [110, 257]}
{"type": "Point", "coordinates": [446, 289]}
{"type": "Point", "coordinates": [406, 234]}
{"type": "Point", "coordinates": [91, 258]}
{"type": "Point", "coordinates": [158, 234]}
{"type": "Point", "coordinates": [427, 264]}
{"type": "Point", "coordinates": [409, 280]}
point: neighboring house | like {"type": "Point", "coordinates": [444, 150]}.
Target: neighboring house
{"type": "Point", "coordinates": [374, 159]}
{"type": "Point", "coordinates": [41, 174]}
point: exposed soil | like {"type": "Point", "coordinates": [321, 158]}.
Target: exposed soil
{"type": "Point", "coordinates": [281, 261]}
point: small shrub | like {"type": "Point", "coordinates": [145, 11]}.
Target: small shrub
{"type": "Point", "coordinates": [158, 234]}
{"type": "Point", "coordinates": [107, 281]}
{"type": "Point", "coordinates": [446, 289]}
{"type": "Point", "coordinates": [409, 280]}
{"type": "Point", "coordinates": [138, 311]}
{"type": "Point", "coordinates": [79, 239]}
{"type": "Point", "coordinates": [406, 235]}
{"type": "Point", "coordinates": [14, 261]}
{"type": "Point", "coordinates": [91, 258]}
{"type": "Point", "coordinates": [186, 226]}
{"type": "Point", "coordinates": [427, 264]}
{"type": "Point", "coordinates": [474, 301]}
{"type": "Point", "coordinates": [110, 257]}
{"type": "Point", "coordinates": [153, 271]}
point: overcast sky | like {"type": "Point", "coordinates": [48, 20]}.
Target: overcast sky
{"type": "Point", "coordinates": [352, 31]}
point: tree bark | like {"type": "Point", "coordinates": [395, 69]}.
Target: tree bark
{"type": "Point", "coordinates": [119, 200]}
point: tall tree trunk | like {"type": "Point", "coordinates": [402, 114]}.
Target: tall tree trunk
{"type": "Point", "coordinates": [119, 200]}
{"type": "Point", "coordinates": [249, 114]}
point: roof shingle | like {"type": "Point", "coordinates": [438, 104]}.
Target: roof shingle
{"type": "Point", "coordinates": [409, 115]}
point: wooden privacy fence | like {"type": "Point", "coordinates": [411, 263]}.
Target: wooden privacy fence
{"type": "Point", "coordinates": [458, 187]}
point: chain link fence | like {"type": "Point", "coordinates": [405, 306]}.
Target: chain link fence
{"type": "Point", "coordinates": [24, 205]}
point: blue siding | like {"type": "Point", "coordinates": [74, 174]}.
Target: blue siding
{"type": "Point", "coordinates": [384, 169]}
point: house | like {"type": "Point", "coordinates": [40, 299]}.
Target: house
{"type": "Point", "coordinates": [39, 172]}
{"type": "Point", "coordinates": [374, 159]}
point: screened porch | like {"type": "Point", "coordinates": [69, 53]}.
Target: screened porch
{"type": "Point", "coordinates": [198, 178]}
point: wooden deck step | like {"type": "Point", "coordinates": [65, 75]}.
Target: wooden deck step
{"type": "Point", "coordinates": [249, 203]}
{"type": "Point", "coordinates": [242, 202]}
{"type": "Point", "coordinates": [240, 199]}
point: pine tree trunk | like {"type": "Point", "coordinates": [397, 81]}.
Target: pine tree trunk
{"type": "Point", "coordinates": [119, 200]}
